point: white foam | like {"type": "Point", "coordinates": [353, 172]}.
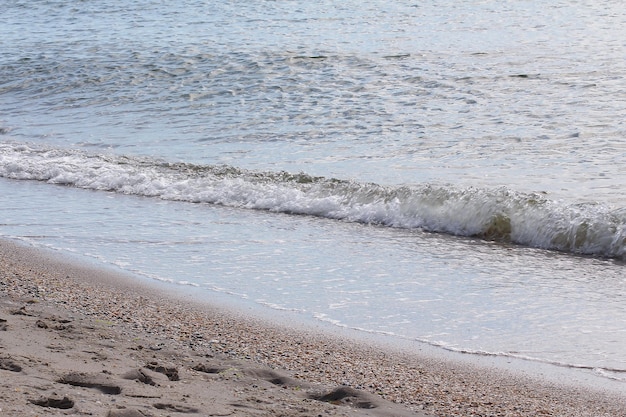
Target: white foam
{"type": "Point", "coordinates": [498, 214]}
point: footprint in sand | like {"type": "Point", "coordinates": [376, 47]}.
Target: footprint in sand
{"type": "Point", "coordinates": [175, 408]}
{"type": "Point", "coordinates": [53, 402]}
{"type": "Point", "coordinates": [128, 412]}
{"type": "Point", "coordinates": [346, 396]}
{"type": "Point", "coordinates": [8, 365]}
{"type": "Point", "coordinates": [170, 372]}
{"type": "Point", "coordinates": [95, 381]}
{"type": "Point", "coordinates": [139, 375]}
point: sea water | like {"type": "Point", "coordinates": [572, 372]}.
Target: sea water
{"type": "Point", "coordinates": [442, 172]}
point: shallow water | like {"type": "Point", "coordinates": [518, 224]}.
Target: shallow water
{"type": "Point", "coordinates": [476, 121]}
{"type": "Point", "coordinates": [461, 294]}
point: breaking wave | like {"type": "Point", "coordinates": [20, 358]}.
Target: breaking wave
{"type": "Point", "coordinates": [498, 214]}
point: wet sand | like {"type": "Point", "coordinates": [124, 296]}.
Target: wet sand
{"type": "Point", "coordinates": [75, 340]}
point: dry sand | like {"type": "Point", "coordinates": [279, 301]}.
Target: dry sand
{"type": "Point", "coordinates": [80, 341]}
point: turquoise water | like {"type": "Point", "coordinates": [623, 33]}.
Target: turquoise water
{"type": "Point", "coordinates": [439, 172]}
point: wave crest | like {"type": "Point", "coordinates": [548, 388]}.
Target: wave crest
{"type": "Point", "coordinates": [498, 214]}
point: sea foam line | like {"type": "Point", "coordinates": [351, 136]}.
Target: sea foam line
{"type": "Point", "coordinates": [616, 374]}
{"type": "Point", "coordinates": [494, 214]}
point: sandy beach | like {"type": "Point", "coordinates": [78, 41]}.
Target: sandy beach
{"type": "Point", "coordinates": [75, 340]}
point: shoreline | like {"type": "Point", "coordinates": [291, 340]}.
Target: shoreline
{"type": "Point", "coordinates": [392, 382]}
